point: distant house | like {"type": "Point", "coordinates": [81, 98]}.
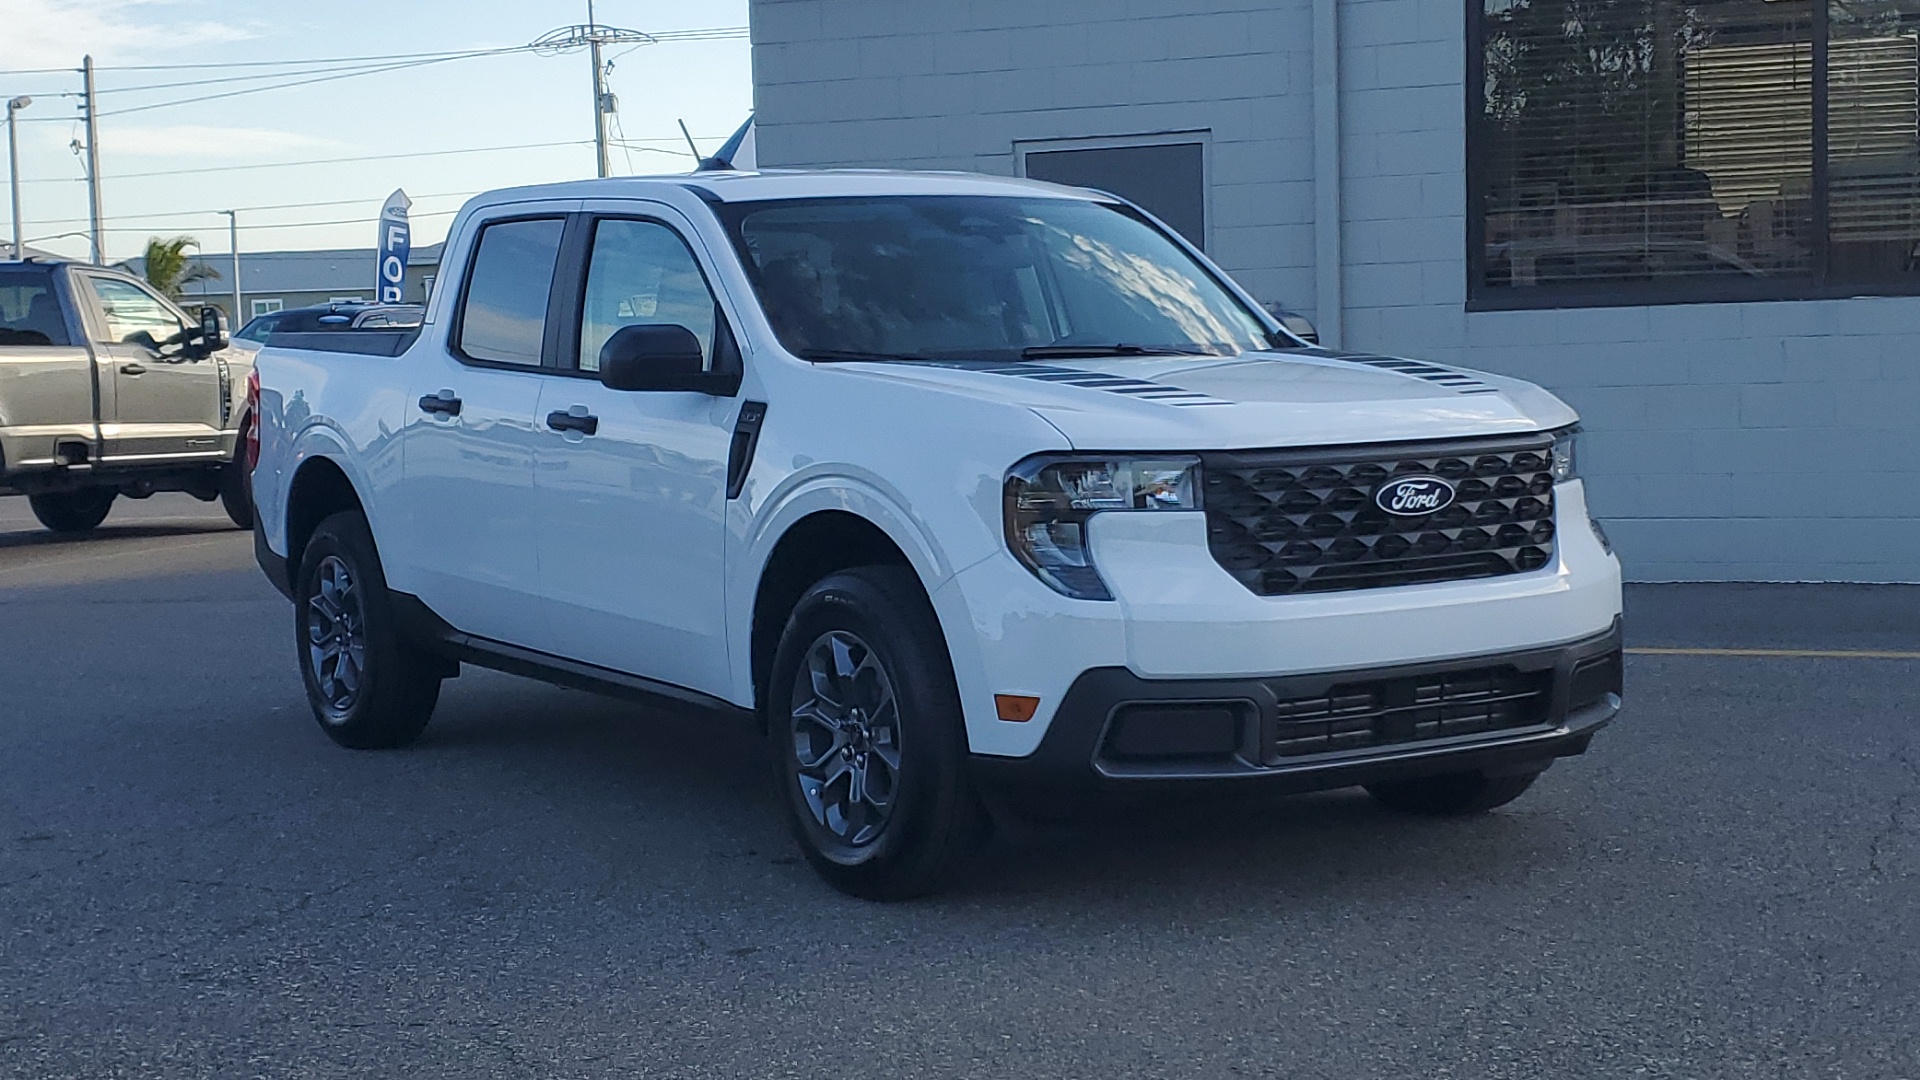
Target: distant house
{"type": "Point", "coordinates": [273, 280]}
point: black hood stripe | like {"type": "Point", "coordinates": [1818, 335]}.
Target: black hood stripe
{"type": "Point", "coordinates": [1091, 380]}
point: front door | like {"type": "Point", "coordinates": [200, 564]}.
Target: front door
{"type": "Point", "coordinates": [632, 558]}
{"type": "Point", "coordinates": [166, 403]}
{"type": "Point", "coordinates": [466, 495]}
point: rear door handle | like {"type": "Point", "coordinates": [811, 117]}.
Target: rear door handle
{"type": "Point", "coordinates": [441, 404]}
{"type": "Point", "coordinates": [574, 419]}
{"type": "Point", "coordinates": [133, 369]}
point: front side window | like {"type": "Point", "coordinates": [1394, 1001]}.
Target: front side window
{"type": "Point", "coordinates": [642, 274]}
{"type": "Point", "coordinates": [1658, 150]}
{"type": "Point", "coordinates": [504, 318]}
{"type": "Point", "coordinates": [131, 315]}
{"type": "Point", "coordinates": [29, 310]}
{"type": "Point", "coordinates": [980, 278]}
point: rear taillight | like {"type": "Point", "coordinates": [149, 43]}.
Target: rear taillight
{"type": "Point", "coordinates": [252, 433]}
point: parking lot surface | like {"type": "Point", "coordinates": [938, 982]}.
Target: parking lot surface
{"type": "Point", "coordinates": [195, 882]}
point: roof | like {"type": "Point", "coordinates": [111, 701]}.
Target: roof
{"type": "Point", "coordinates": [337, 270]}
{"type": "Point", "coordinates": [729, 186]}
{"type": "Point", "coordinates": [38, 254]}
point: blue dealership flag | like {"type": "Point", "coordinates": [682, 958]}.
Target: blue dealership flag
{"type": "Point", "coordinates": [396, 239]}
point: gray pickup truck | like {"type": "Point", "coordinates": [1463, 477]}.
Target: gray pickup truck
{"type": "Point", "coordinates": [107, 389]}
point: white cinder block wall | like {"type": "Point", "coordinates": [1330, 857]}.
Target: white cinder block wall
{"type": "Point", "coordinates": [1771, 441]}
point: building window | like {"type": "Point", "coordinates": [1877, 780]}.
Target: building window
{"type": "Point", "coordinates": [266, 307]}
{"type": "Point", "coordinates": [1655, 151]}
{"type": "Point", "coordinates": [1165, 175]}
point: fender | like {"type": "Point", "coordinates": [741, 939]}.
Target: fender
{"type": "Point", "coordinates": [324, 440]}
{"type": "Point", "coordinates": [831, 488]}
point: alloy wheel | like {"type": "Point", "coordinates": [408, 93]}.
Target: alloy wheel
{"type": "Point", "coordinates": [336, 636]}
{"type": "Point", "coordinates": [845, 722]}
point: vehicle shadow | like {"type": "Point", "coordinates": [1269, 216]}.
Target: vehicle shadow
{"type": "Point", "coordinates": [703, 781]}
{"type": "Point", "coordinates": [31, 535]}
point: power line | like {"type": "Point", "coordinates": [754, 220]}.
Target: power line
{"type": "Point", "coordinates": [322, 161]}
{"type": "Point", "coordinates": [709, 33]}
{"type": "Point", "coordinates": [258, 225]}
{"type": "Point", "coordinates": [350, 74]}
{"type": "Point", "coordinates": [251, 209]}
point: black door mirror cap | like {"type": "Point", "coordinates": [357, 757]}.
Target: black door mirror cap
{"type": "Point", "coordinates": [213, 329]}
{"type": "Point", "coordinates": [655, 357]}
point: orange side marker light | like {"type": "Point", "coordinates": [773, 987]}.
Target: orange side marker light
{"type": "Point", "coordinates": [1016, 708]}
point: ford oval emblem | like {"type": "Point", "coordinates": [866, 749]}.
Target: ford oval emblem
{"type": "Point", "coordinates": [1413, 496]}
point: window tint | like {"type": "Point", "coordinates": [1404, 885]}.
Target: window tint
{"type": "Point", "coordinates": [29, 311]}
{"type": "Point", "coordinates": [134, 316]}
{"type": "Point", "coordinates": [961, 277]}
{"type": "Point", "coordinates": [642, 274]}
{"type": "Point", "coordinates": [505, 317]}
{"type": "Point", "coordinates": [1666, 149]}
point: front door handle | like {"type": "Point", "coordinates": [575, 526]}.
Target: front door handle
{"type": "Point", "coordinates": [441, 404]}
{"type": "Point", "coordinates": [574, 419]}
{"type": "Point", "coordinates": [133, 369]}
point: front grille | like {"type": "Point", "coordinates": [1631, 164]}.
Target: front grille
{"type": "Point", "coordinates": [1305, 521]}
{"type": "Point", "coordinates": [1392, 712]}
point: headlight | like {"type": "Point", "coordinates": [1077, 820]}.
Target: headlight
{"type": "Point", "coordinates": [1050, 499]}
{"type": "Point", "coordinates": [1565, 468]}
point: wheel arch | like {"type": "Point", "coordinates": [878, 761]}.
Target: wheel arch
{"type": "Point", "coordinates": [822, 542]}
{"type": "Point", "coordinates": [320, 489]}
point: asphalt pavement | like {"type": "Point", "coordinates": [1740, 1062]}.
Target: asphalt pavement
{"type": "Point", "coordinates": [195, 882]}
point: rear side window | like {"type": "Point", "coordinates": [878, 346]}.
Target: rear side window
{"type": "Point", "coordinates": [504, 314]}
{"type": "Point", "coordinates": [29, 310]}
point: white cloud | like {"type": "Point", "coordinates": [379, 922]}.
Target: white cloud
{"type": "Point", "coordinates": [212, 142]}
{"type": "Point", "coordinates": [57, 33]}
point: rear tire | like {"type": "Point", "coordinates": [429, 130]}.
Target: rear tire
{"type": "Point", "coordinates": [868, 742]}
{"type": "Point", "coordinates": [73, 511]}
{"type": "Point", "coordinates": [368, 688]}
{"type": "Point", "coordinates": [1452, 794]}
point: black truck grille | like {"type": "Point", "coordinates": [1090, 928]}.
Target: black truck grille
{"type": "Point", "coordinates": [1390, 712]}
{"type": "Point", "coordinates": [1305, 521]}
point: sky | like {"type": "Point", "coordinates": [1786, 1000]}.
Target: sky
{"type": "Point", "coordinates": [241, 151]}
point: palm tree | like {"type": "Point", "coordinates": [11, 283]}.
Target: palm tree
{"type": "Point", "coordinates": [167, 267]}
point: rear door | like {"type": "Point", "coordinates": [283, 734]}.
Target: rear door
{"type": "Point", "coordinates": [46, 387]}
{"type": "Point", "coordinates": [167, 404]}
{"type": "Point", "coordinates": [466, 495]}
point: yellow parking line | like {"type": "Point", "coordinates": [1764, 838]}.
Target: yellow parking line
{"type": "Point", "coordinates": [1785, 654]}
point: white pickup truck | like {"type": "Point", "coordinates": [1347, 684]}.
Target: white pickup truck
{"type": "Point", "coordinates": [975, 492]}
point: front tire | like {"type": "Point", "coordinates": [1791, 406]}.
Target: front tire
{"type": "Point", "coordinates": [368, 688]}
{"type": "Point", "coordinates": [867, 738]}
{"type": "Point", "coordinates": [236, 491]}
{"type": "Point", "coordinates": [1452, 794]}
{"type": "Point", "coordinates": [73, 511]}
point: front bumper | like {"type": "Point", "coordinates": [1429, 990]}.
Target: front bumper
{"type": "Point", "coordinates": [1509, 712]}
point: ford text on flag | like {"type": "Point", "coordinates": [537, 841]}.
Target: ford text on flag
{"type": "Point", "coordinates": [390, 285]}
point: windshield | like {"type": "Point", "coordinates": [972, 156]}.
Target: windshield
{"type": "Point", "coordinates": [994, 278]}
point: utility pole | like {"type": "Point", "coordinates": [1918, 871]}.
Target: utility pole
{"type": "Point", "coordinates": [14, 105]}
{"type": "Point", "coordinates": [91, 103]}
{"type": "Point", "coordinates": [600, 102]}
{"type": "Point", "coordinates": [233, 245]}
{"type": "Point", "coordinates": [595, 37]}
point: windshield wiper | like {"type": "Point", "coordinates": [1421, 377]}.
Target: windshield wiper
{"type": "Point", "coordinates": [852, 355]}
{"type": "Point", "coordinates": [1063, 352]}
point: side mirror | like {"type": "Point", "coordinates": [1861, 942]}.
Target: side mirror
{"type": "Point", "coordinates": [1295, 323]}
{"type": "Point", "coordinates": [666, 357]}
{"type": "Point", "coordinates": [213, 329]}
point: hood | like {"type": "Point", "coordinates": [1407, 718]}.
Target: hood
{"type": "Point", "coordinates": [1301, 397]}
